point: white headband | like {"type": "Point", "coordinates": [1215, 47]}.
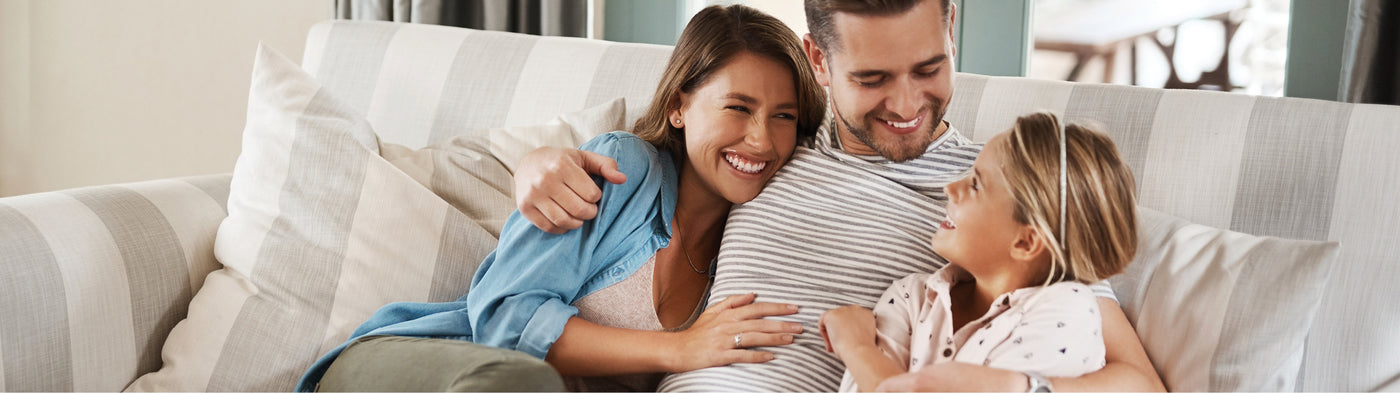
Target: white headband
{"type": "Point", "coordinates": [1064, 184]}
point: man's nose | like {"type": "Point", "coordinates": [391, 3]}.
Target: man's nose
{"type": "Point", "coordinates": [906, 100]}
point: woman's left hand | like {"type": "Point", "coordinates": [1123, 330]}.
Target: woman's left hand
{"type": "Point", "coordinates": [723, 334]}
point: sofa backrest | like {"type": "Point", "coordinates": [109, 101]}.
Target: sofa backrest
{"type": "Point", "coordinates": [1292, 168]}
{"type": "Point", "coordinates": [423, 84]}
{"type": "Point", "coordinates": [1285, 167]}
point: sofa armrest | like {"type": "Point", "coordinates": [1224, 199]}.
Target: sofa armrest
{"type": "Point", "coordinates": [92, 279]}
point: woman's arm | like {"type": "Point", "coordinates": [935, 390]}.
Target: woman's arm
{"type": "Point", "coordinates": [1127, 368]}
{"type": "Point", "coordinates": [589, 349]}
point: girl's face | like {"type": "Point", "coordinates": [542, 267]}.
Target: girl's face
{"type": "Point", "coordinates": [740, 126]}
{"type": "Point", "coordinates": [981, 229]}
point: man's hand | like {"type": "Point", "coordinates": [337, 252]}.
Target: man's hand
{"type": "Point", "coordinates": [553, 188]}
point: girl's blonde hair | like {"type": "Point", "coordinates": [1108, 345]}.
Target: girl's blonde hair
{"type": "Point", "coordinates": [1100, 234]}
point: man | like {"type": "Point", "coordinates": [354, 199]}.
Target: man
{"type": "Point", "coordinates": [850, 213]}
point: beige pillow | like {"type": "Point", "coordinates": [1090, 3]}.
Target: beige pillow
{"type": "Point", "coordinates": [1219, 310]}
{"type": "Point", "coordinates": [568, 130]}
{"type": "Point", "coordinates": [321, 232]}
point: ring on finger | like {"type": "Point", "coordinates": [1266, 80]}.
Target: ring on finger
{"type": "Point", "coordinates": [739, 340]}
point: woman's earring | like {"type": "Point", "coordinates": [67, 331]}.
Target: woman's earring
{"type": "Point", "coordinates": [676, 122]}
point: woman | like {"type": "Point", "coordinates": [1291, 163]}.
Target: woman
{"type": "Point", "coordinates": [619, 302]}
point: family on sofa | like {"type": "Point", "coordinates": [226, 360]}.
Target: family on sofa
{"type": "Point", "coordinates": [970, 267]}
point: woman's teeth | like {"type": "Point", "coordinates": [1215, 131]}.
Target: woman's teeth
{"type": "Point", "coordinates": [744, 165]}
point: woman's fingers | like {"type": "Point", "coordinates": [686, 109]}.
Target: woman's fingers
{"type": "Point", "coordinates": [746, 356]}
{"type": "Point", "coordinates": [757, 339]}
{"type": "Point", "coordinates": [766, 326]}
{"type": "Point", "coordinates": [734, 301]}
{"type": "Point", "coordinates": [762, 309]}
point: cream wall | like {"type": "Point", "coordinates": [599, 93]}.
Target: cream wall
{"type": "Point", "coordinates": [97, 92]}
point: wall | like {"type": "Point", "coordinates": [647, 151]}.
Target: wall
{"type": "Point", "coordinates": [100, 92]}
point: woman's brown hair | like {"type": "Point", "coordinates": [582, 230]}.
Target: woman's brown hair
{"type": "Point", "coordinates": [1100, 231]}
{"type": "Point", "coordinates": [711, 39]}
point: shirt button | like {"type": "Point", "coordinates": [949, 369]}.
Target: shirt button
{"type": "Point", "coordinates": [947, 352]}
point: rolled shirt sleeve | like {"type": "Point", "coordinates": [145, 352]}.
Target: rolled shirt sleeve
{"type": "Point", "coordinates": [521, 295]}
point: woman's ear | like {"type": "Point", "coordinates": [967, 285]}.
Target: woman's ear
{"type": "Point", "coordinates": [1029, 245]}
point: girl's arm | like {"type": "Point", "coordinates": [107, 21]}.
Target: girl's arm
{"type": "Point", "coordinates": [850, 333]}
{"type": "Point", "coordinates": [589, 349]}
{"type": "Point", "coordinates": [1128, 368]}
{"type": "Point", "coordinates": [874, 351]}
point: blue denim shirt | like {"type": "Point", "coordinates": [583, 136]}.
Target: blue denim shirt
{"type": "Point", "coordinates": [522, 293]}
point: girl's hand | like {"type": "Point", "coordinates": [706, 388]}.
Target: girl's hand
{"type": "Point", "coordinates": [725, 332]}
{"type": "Point", "coordinates": [846, 328]}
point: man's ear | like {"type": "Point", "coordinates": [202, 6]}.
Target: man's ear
{"type": "Point", "coordinates": [815, 55]}
{"type": "Point", "coordinates": [952, 21]}
{"type": "Point", "coordinates": [1029, 245]}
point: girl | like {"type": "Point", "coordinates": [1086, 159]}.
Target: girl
{"type": "Point", "coordinates": [1045, 210]}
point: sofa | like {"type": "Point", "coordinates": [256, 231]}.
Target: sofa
{"type": "Point", "coordinates": [132, 286]}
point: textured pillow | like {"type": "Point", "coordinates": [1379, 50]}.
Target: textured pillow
{"type": "Point", "coordinates": [568, 130]}
{"type": "Point", "coordinates": [1219, 310]}
{"type": "Point", "coordinates": [321, 232]}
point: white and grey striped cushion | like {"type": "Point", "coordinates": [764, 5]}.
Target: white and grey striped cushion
{"type": "Point", "coordinates": [321, 232]}
{"type": "Point", "coordinates": [1284, 167]}
{"type": "Point", "coordinates": [92, 279]}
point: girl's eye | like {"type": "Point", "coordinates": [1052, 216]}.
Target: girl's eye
{"type": "Point", "coordinates": [975, 185]}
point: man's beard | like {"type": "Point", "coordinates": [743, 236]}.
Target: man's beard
{"type": "Point", "coordinates": [904, 147]}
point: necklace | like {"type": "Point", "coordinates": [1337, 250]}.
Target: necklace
{"type": "Point", "coordinates": [691, 263]}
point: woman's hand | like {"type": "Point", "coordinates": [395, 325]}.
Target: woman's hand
{"type": "Point", "coordinates": [725, 332]}
{"type": "Point", "coordinates": [847, 328]}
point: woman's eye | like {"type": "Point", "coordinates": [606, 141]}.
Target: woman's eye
{"type": "Point", "coordinates": [786, 116]}
{"type": "Point", "coordinates": [975, 185]}
{"type": "Point", "coordinates": [739, 108]}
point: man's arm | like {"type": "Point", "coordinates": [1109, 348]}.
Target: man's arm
{"type": "Point", "coordinates": [1127, 368]}
{"type": "Point", "coordinates": [553, 189]}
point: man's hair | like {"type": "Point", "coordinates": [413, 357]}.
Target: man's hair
{"type": "Point", "coordinates": [1100, 231]}
{"type": "Point", "coordinates": [820, 13]}
{"type": "Point", "coordinates": [712, 38]}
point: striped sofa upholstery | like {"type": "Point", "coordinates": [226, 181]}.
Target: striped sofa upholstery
{"type": "Point", "coordinates": [92, 280]}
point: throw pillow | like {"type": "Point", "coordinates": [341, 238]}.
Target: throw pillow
{"type": "Point", "coordinates": [1219, 310]}
{"type": "Point", "coordinates": [321, 232]}
{"type": "Point", "coordinates": [568, 130]}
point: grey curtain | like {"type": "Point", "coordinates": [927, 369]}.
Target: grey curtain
{"type": "Point", "coordinates": [1372, 45]}
{"type": "Point", "coordinates": [542, 17]}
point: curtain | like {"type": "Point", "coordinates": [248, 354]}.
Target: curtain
{"type": "Point", "coordinates": [1369, 65]}
{"type": "Point", "coordinates": [542, 17]}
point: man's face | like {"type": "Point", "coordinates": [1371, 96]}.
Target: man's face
{"type": "Point", "coordinates": [890, 79]}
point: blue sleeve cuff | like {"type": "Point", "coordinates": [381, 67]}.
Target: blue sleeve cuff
{"type": "Point", "coordinates": [545, 327]}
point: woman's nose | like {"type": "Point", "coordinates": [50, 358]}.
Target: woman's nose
{"type": "Point", "coordinates": [760, 136]}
